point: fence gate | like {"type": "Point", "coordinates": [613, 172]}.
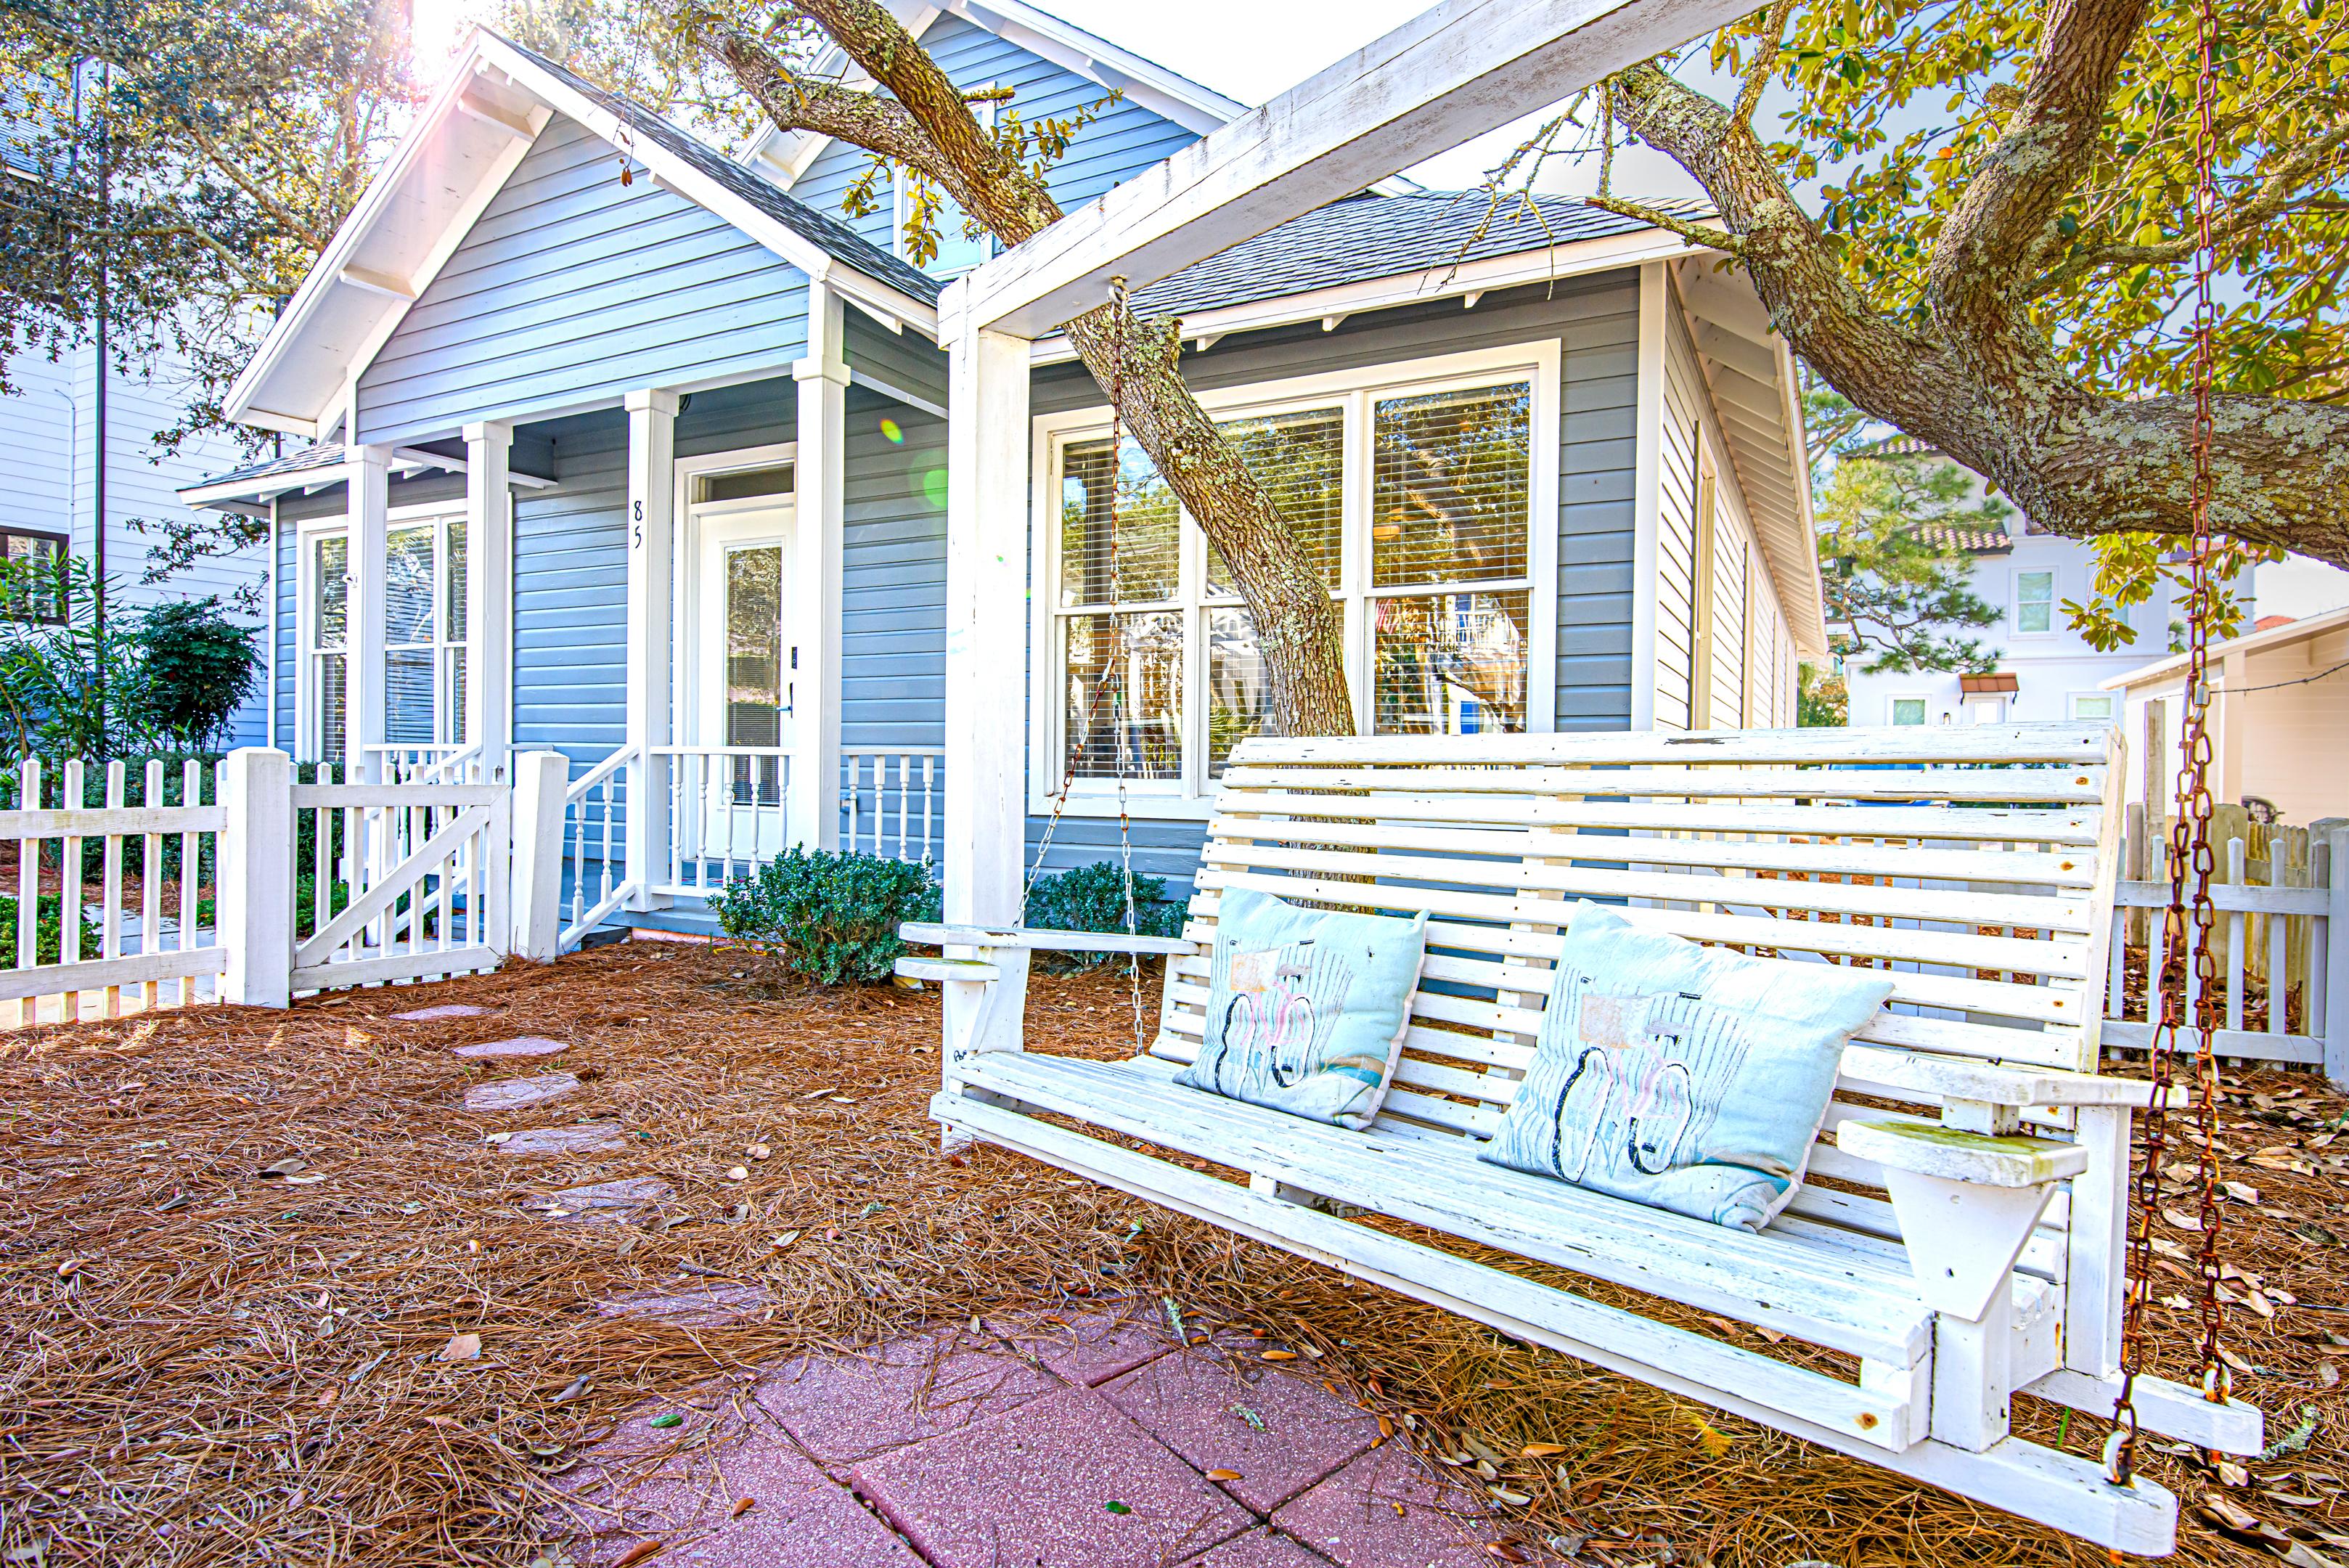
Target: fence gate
{"type": "Point", "coordinates": [399, 881]}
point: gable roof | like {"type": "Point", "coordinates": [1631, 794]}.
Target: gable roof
{"type": "Point", "coordinates": [471, 137]}
{"type": "Point", "coordinates": [1373, 236]}
{"type": "Point", "coordinates": [1166, 93]}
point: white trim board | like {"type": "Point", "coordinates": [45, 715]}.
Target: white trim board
{"type": "Point", "coordinates": [1551, 264]}
{"type": "Point", "coordinates": [1541, 360]}
{"type": "Point", "coordinates": [1463, 67]}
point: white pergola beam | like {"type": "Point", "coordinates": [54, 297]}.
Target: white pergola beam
{"type": "Point", "coordinates": [1458, 70]}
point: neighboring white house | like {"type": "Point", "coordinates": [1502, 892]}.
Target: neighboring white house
{"type": "Point", "coordinates": [2046, 669]}
{"type": "Point", "coordinates": [48, 473]}
{"type": "Point", "coordinates": [2281, 729]}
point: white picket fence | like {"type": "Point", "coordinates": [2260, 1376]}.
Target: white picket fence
{"type": "Point", "coordinates": [153, 945]}
{"type": "Point", "coordinates": [2282, 952]}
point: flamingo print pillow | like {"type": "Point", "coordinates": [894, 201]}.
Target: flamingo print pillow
{"type": "Point", "coordinates": [1306, 1008]}
{"type": "Point", "coordinates": [1681, 1076]}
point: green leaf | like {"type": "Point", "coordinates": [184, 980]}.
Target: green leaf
{"type": "Point", "coordinates": [666, 1419]}
{"type": "Point", "coordinates": [1116, 1507]}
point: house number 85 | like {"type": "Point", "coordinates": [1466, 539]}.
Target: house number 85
{"type": "Point", "coordinates": [637, 531]}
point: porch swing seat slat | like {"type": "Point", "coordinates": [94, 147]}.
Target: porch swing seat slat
{"type": "Point", "coordinates": [1960, 1237]}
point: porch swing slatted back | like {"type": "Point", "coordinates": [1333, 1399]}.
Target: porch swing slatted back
{"type": "Point", "coordinates": [1975, 867]}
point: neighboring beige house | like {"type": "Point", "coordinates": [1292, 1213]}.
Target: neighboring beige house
{"type": "Point", "coordinates": [2282, 731]}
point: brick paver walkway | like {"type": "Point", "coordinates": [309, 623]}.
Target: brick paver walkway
{"type": "Point", "coordinates": [1089, 1443]}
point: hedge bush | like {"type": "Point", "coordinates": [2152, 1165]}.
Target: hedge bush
{"type": "Point", "coordinates": [1092, 899]}
{"type": "Point", "coordinates": [832, 917]}
{"type": "Point", "coordinates": [51, 928]}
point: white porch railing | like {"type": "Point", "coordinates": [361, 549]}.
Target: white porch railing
{"type": "Point", "coordinates": [593, 827]}
{"type": "Point", "coordinates": [893, 802]}
{"type": "Point", "coordinates": [727, 813]}
{"type": "Point", "coordinates": [442, 763]}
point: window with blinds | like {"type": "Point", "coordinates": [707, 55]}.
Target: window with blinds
{"type": "Point", "coordinates": [1413, 501]}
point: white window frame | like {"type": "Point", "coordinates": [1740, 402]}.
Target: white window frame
{"type": "Point", "coordinates": [447, 706]}
{"type": "Point", "coordinates": [1892, 706]}
{"type": "Point", "coordinates": [1536, 362]}
{"type": "Point", "coordinates": [2014, 598]}
{"type": "Point", "coordinates": [309, 745]}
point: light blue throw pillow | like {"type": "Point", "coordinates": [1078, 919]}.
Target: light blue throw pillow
{"type": "Point", "coordinates": [1307, 1008]}
{"type": "Point", "coordinates": [1681, 1076]}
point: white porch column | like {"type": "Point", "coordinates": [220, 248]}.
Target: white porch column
{"type": "Point", "coordinates": [368, 478]}
{"type": "Point", "coordinates": [489, 593]}
{"type": "Point", "coordinates": [652, 542]}
{"type": "Point", "coordinates": [987, 625]}
{"type": "Point", "coordinates": [820, 507]}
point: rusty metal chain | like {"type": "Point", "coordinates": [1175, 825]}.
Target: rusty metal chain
{"type": "Point", "coordinates": [2188, 920]}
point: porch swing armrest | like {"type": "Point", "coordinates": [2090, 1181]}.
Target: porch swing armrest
{"type": "Point", "coordinates": [1995, 1083]}
{"type": "Point", "coordinates": [1036, 939]}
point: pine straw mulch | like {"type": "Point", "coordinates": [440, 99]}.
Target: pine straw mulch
{"type": "Point", "coordinates": [200, 1364]}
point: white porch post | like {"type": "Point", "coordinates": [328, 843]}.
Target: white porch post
{"type": "Point", "coordinates": [987, 625]}
{"type": "Point", "coordinates": [366, 469]}
{"type": "Point", "coordinates": [489, 593]}
{"type": "Point", "coordinates": [652, 539]}
{"type": "Point", "coordinates": [818, 518]}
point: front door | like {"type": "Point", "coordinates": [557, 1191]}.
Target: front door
{"type": "Point", "coordinates": [733, 781]}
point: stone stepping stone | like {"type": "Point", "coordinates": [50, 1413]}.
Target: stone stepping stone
{"type": "Point", "coordinates": [589, 1138]}
{"type": "Point", "coordinates": [604, 1201]}
{"type": "Point", "coordinates": [446, 1009]}
{"type": "Point", "coordinates": [520, 1045]}
{"type": "Point", "coordinates": [519, 1094]}
{"type": "Point", "coordinates": [847, 1409]}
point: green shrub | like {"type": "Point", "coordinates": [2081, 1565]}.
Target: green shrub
{"type": "Point", "coordinates": [51, 927]}
{"type": "Point", "coordinates": [1092, 899]}
{"type": "Point", "coordinates": [833, 918]}
{"type": "Point", "coordinates": [199, 666]}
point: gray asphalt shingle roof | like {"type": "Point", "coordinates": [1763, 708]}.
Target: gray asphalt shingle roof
{"type": "Point", "coordinates": [326, 454]}
{"type": "Point", "coordinates": [833, 237]}
{"type": "Point", "coordinates": [1370, 236]}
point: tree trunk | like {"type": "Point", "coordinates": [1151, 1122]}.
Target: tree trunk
{"type": "Point", "coordinates": [1137, 364]}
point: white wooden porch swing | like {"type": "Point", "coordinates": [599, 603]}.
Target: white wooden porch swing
{"type": "Point", "coordinates": [1965, 1231]}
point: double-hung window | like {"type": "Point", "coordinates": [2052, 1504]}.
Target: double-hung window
{"type": "Point", "coordinates": [1412, 491]}
{"type": "Point", "coordinates": [35, 585]}
{"type": "Point", "coordinates": [327, 567]}
{"type": "Point", "coordinates": [424, 632]}
{"type": "Point", "coordinates": [2034, 603]}
{"type": "Point", "coordinates": [424, 635]}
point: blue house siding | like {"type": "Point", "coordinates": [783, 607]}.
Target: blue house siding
{"type": "Point", "coordinates": [285, 580]}
{"type": "Point", "coordinates": [1596, 323]}
{"type": "Point", "coordinates": [572, 289]}
{"type": "Point", "coordinates": [1126, 139]}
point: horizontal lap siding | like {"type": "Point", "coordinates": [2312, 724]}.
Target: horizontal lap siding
{"type": "Point", "coordinates": [1676, 537]}
{"type": "Point", "coordinates": [571, 597]}
{"type": "Point", "coordinates": [1596, 321]}
{"type": "Point", "coordinates": [573, 288]}
{"type": "Point", "coordinates": [892, 620]}
{"type": "Point", "coordinates": [1126, 139]}
{"type": "Point", "coordinates": [283, 606]}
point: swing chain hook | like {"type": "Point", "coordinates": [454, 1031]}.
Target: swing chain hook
{"type": "Point", "coordinates": [2188, 918]}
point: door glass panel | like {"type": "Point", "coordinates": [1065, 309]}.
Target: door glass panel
{"type": "Point", "coordinates": [408, 586]}
{"type": "Point", "coordinates": [332, 700]}
{"type": "Point", "coordinates": [754, 666]}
